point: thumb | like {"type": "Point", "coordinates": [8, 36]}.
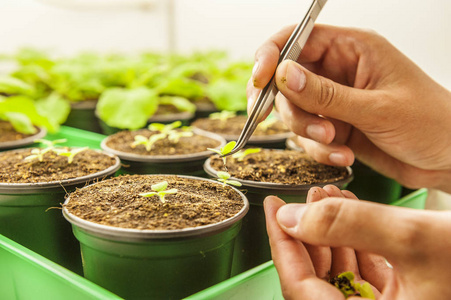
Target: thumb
{"type": "Point", "coordinates": [389, 231]}
{"type": "Point", "coordinates": [322, 96]}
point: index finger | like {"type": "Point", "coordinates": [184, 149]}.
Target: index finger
{"type": "Point", "coordinates": [292, 261]}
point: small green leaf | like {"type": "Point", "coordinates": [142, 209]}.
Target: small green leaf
{"type": "Point", "coordinates": [223, 175]}
{"type": "Point", "coordinates": [228, 147]}
{"type": "Point", "coordinates": [214, 150]}
{"type": "Point", "coordinates": [233, 182]}
{"type": "Point", "coordinates": [161, 186]}
{"type": "Point", "coordinates": [149, 194]}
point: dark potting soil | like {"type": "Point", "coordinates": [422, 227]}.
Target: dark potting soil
{"type": "Point", "coordinates": [8, 133]}
{"type": "Point", "coordinates": [234, 126]}
{"type": "Point", "coordinates": [280, 166]}
{"type": "Point", "coordinates": [123, 140]}
{"type": "Point", "coordinates": [116, 202]}
{"type": "Point", "coordinates": [13, 168]}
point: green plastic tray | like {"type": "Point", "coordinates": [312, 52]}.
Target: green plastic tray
{"type": "Point", "coordinates": [77, 137]}
{"type": "Point", "coordinates": [27, 275]}
{"type": "Point", "coordinates": [262, 282]}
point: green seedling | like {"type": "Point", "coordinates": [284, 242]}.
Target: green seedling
{"type": "Point", "coordinates": [264, 125]}
{"type": "Point", "coordinates": [240, 155]}
{"type": "Point", "coordinates": [71, 154]}
{"type": "Point", "coordinates": [38, 153]}
{"type": "Point", "coordinates": [170, 131]}
{"type": "Point", "coordinates": [174, 135]}
{"type": "Point", "coordinates": [345, 283]}
{"type": "Point", "coordinates": [224, 176]}
{"type": "Point", "coordinates": [224, 150]}
{"type": "Point", "coordinates": [222, 115]}
{"type": "Point", "coordinates": [147, 142]}
{"type": "Point", "coordinates": [159, 190]}
{"type": "Point", "coordinates": [50, 144]}
{"type": "Point", "coordinates": [164, 128]}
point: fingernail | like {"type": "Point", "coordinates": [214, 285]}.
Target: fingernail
{"type": "Point", "coordinates": [337, 158]}
{"type": "Point", "coordinates": [254, 72]}
{"type": "Point", "coordinates": [255, 68]}
{"type": "Point", "coordinates": [316, 132]}
{"type": "Point", "coordinates": [290, 215]}
{"type": "Point", "coordinates": [295, 78]}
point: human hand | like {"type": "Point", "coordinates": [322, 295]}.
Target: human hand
{"type": "Point", "coordinates": [341, 234]}
{"type": "Point", "coordinates": [353, 94]}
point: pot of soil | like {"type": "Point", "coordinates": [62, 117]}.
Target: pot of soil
{"type": "Point", "coordinates": [82, 115]}
{"type": "Point", "coordinates": [367, 184]}
{"type": "Point", "coordinates": [11, 139]}
{"type": "Point", "coordinates": [142, 244]}
{"type": "Point", "coordinates": [164, 155]}
{"type": "Point", "coordinates": [270, 133]}
{"type": "Point", "coordinates": [30, 188]}
{"type": "Point", "coordinates": [285, 173]}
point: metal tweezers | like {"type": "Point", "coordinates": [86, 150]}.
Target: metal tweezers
{"type": "Point", "coordinates": [291, 50]}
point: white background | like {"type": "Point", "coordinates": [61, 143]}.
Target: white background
{"type": "Point", "coordinates": [419, 28]}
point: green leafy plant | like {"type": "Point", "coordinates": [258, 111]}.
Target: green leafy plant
{"type": "Point", "coordinates": [147, 142]}
{"type": "Point", "coordinates": [159, 189]}
{"type": "Point", "coordinates": [240, 155]}
{"type": "Point", "coordinates": [345, 283]}
{"type": "Point", "coordinates": [71, 153]}
{"type": "Point", "coordinates": [174, 135]}
{"type": "Point", "coordinates": [224, 178]}
{"type": "Point", "coordinates": [38, 153]}
{"type": "Point", "coordinates": [224, 150]}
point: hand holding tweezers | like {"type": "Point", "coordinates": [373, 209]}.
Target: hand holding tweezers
{"type": "Point", "coordinates": [291, 50]}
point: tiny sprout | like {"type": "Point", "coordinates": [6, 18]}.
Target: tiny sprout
{"type": "Point", "coordinates": [71, 154]}
{"type": "Point", "coordinates": [222, 115]}
{"type": "Point", "coordinates": [224, 176]}
{"type": "Point", "coordinates": [164, 128]}
{"type": "Point", "coordinates": [264, 125]}
{"type": "Point", "coordinates": [174, 136]}
{"type": "Point", "coordinates": [240, 155]}
{"type": "Point", "coordinates": [147, 142]}
{"type": "Point", "coordinates": [224, 150]}
{"type": "Point", "coordinates": [37, 153]}
{"type": "Point", "coordinates": [50, 144]}
{"type": "Point", "coordinates": [345, 283]}
{"type": "Point", "coordinates": [159, 190]}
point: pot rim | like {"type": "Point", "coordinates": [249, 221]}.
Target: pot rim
{"type": "Point", "coordinates": [129, 234]}
{"type": "Point", "coordinates": [166, 158]}
{"type": "Point", "coordinates": [256, 139]}
{"type": "Point", "coordinates": [182, 115]}
{"type": "Point", "coordinates": [24, 142]}
{"type": "Point", "coordinates": [279, 186]}
{"type": "Point", "coordinates": [33, 187]}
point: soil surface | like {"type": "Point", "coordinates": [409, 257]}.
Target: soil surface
{"type": "Point", "coordinates": [13, 168]}
{"type": "Point", "coordinates": [280, 166]}
{"type": "Point", "coordinates": [123, 140]}
{"type": "Point", "coordinates": [8, 133]}
{"type": "Point", "coordinates": [234, 126]}
{"type": "Point", "coordinates": [116, 202]}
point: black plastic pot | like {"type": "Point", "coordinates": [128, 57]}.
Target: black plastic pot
{"type": "Point", "coordinates": [82, 115]}
{"type": "Point", "coordinates": [252, 244]}
{"type": "Point", "coordinates": [187, 164]}
{"type": "Point", "coordinates": [30, 214]}
{"type": "Point", "coordinates": [23, 142]}
{"type": "Point", "coordinates": [157, 264]}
